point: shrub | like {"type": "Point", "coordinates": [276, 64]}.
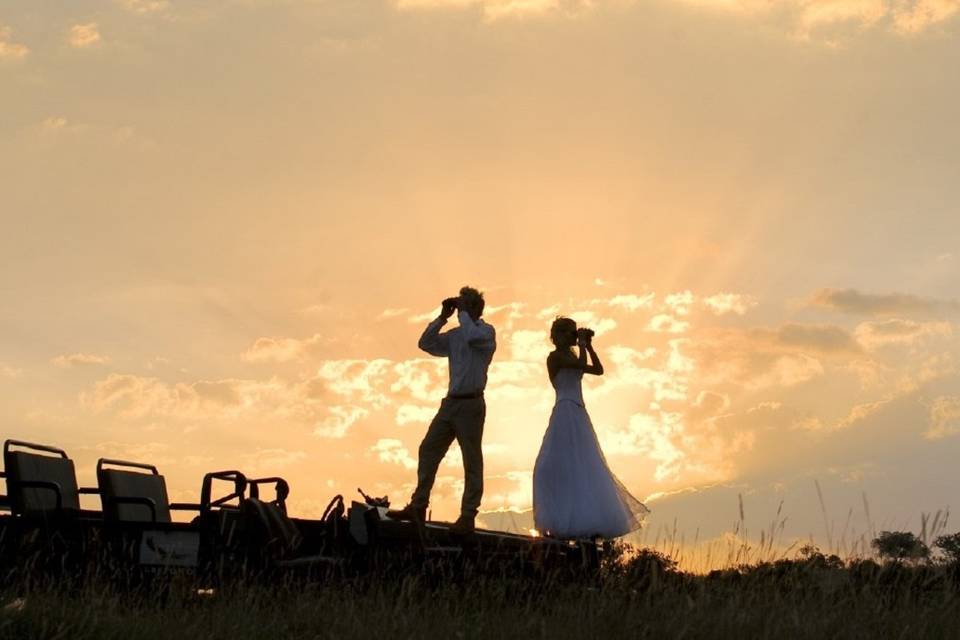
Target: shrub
{"type": "Point", "coordinates": [950, 545]}
{"type": "Point", "coordinates": [900, 545]}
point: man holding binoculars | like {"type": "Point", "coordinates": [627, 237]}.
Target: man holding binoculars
{"type": "Point", "coordinates": [469, 349]}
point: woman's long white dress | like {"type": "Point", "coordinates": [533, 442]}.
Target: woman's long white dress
{"type": "Point", "coordinates": [574, 492]}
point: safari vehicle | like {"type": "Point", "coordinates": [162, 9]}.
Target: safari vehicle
{"type": "Point", "coordinates": [236, 530]}
{"type": "Point", "coordinates": [43, 528]}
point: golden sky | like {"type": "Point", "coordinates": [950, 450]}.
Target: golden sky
{"type": "Point", "coordinates": [225, 224]}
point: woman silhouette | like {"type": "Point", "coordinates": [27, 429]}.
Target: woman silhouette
{"type": "Point", "coordinates": [574, 492]}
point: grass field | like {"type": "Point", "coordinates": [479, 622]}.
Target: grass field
{"type": "Point", "coordinates": [644, 597]}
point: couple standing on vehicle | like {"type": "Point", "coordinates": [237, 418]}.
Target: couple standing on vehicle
{"type": "Point", "coordinates": [574, 492]}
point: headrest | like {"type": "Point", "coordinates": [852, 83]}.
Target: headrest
{"type": "Point", "coordinates": [56, 474]}
{"type": "Point", "coordinates": [117, 485]}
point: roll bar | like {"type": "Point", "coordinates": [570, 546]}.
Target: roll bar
{"type": "Point", "coordinates": [239, 486]}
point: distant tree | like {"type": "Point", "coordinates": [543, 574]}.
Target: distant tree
{"type": "Point", "coordinates": [813, 557]}
{"type": "Point", "coordinates": [900, 545]}
{"type": "Point", "coordinates": [950, 545]}
{"type": "Point", "coordinates": [808, 551]}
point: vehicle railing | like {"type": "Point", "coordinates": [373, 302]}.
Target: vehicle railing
{"type": "Point", "coordinates": [239, 487]}
{"type": "Point", "coordinates": [281, 489]}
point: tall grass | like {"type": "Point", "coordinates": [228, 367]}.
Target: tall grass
{"type": "Point", "coordinates": [640, 595]}
{"type": "Point", "coordinates": [742, 546]}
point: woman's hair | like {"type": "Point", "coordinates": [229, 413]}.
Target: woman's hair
{"type": "Point", "coordinates": [559, 325]}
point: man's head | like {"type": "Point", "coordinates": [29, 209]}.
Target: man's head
{"type": "Point", "coordinates": [472, 302]}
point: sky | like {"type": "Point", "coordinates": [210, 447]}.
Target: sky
{"type": "Point", "coordinates": [225, 224]}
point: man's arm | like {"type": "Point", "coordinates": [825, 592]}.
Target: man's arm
{"type": "Point", "coordinates": [434, 342]}
{"type": "Point", "coordinates": [479, 335]}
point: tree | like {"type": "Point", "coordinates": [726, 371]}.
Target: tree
{"type": "Point", "coordinates": [900, 545]}
{"type": "Point", "coordinates": [950, 545]}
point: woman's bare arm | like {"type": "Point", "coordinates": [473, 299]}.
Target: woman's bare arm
{"type": "Point", "coordinates": [595, 367]}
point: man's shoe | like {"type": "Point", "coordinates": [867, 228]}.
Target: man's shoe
{"type": "Point", "coordinates": [463, 526]}
{"type": "Point", "coordinates": [409, 512]}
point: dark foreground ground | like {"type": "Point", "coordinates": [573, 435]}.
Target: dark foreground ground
{"type": "Point", "coordinates": [645, 598]}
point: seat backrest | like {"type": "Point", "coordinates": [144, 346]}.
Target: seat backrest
{"type": "Point", "coordinates": [35, 480]}
{"type": "Point", "coordinates": [132, 496]}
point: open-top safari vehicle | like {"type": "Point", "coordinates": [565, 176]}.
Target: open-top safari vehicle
{"type": "Point", "coordinates": [234, 530]}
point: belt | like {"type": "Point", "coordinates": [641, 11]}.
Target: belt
{"type": "Point", "coordinates": [474, 395]}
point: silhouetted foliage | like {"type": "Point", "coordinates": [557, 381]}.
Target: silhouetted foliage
{"type": "Point", "coordinates": [640, 594]}
{"type": "Point", "coordinates": [950, 545]}
{"type": "Point", "coordinates": [900, 545]}
{"type": "Point", "coordinates": [813, 557]}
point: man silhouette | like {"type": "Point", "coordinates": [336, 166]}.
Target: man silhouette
{"type": "Point", "coordinates": [469, 349]}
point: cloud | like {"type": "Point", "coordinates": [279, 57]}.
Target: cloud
{"type": "Point", "coordinates": [944, 417]}
{"type": "Point", "coordinates": [820, 13]}
{"type": "Point", "coordinates": [635, 370]}
{"type": "Point", "coordinates": [57, 129]}
{"type": "Point", "coordinates": [873, 335]}
{"type": "Point", "coordinates": [918, 15]}
{"type": "Point", "coordinates": [269, 349]}
{"type": "Point", "coordinates": [600, 325]}
{"type": "Point", "coordinates": [803, 20]}
{"type": "Point", "coordinates": [827, 19]}
{"type": "Point", "coordinates": [392, 451]}
{"type": "Point", "coordinates": [6, 371]}
{"type": "Point", "coordinates": [144, 6]}
{"type": "Point", "coordinates": [631, 301]}
{"type": "Point", "coordinates": [522, 382]}
{"type": "Point", "coordinates": [665, 323]}
{"type": "Point", "coordinates": [426, 316]}
{"type": "Point", "coordinates": [821, 338]}
{"type": "Point", "coordinates": [386, 314]}
{"type": "Point", "coordinates": [529, 345]}
{"type": "Point", "coordinates": [549, 313]}
{"type": "Point", "coordinates": [788, 370]}
{"type": "Point", "coordinates": [760, 358]}
{"type": "Point", "coordinates": [315, 309]}
{"type": "Point", "coordinates": [425, 379]}
{"type": "Point", "coordinates": [412, 413]}
{"type": "Point", "coordinates": [514, 310]}
{"type": "Point", "coordinates": [79, 360]}
{"type": "Point", "coordinates": [358, 379]}
{"type": "Point", "coordinates": [679, 303]}
{"type": "Point", "coordinates": [510, 490]}
{"type": "Point", "coordinates": [338, 423]}
{"type": "Point", "coordinates": [155, 453]}
{"type": "Point", "coordinates": [500, 9]}
{"type": "Point", "coordinates": [11, 50]}
{"type": "Point", "coordinates": [653, 436]}
{"type": "Point", "coordinates": [724, 303]}
{"type": "Point", "coordinates": [855, 302]}
{"type": "Point", "coordinates": [270, 460]}
{"type": "Point", "coordinates": [84, 35]}
{"type": "Point", "coordinates": [135, 397]}
{"type": "Point", "coordinates": [859, 413]}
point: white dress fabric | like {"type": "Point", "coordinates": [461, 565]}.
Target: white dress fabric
{"type": "Point", "coordinates": [574, 492]}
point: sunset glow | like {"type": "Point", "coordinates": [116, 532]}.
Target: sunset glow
{"type": "Point", "coordinates": [226, 224]}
